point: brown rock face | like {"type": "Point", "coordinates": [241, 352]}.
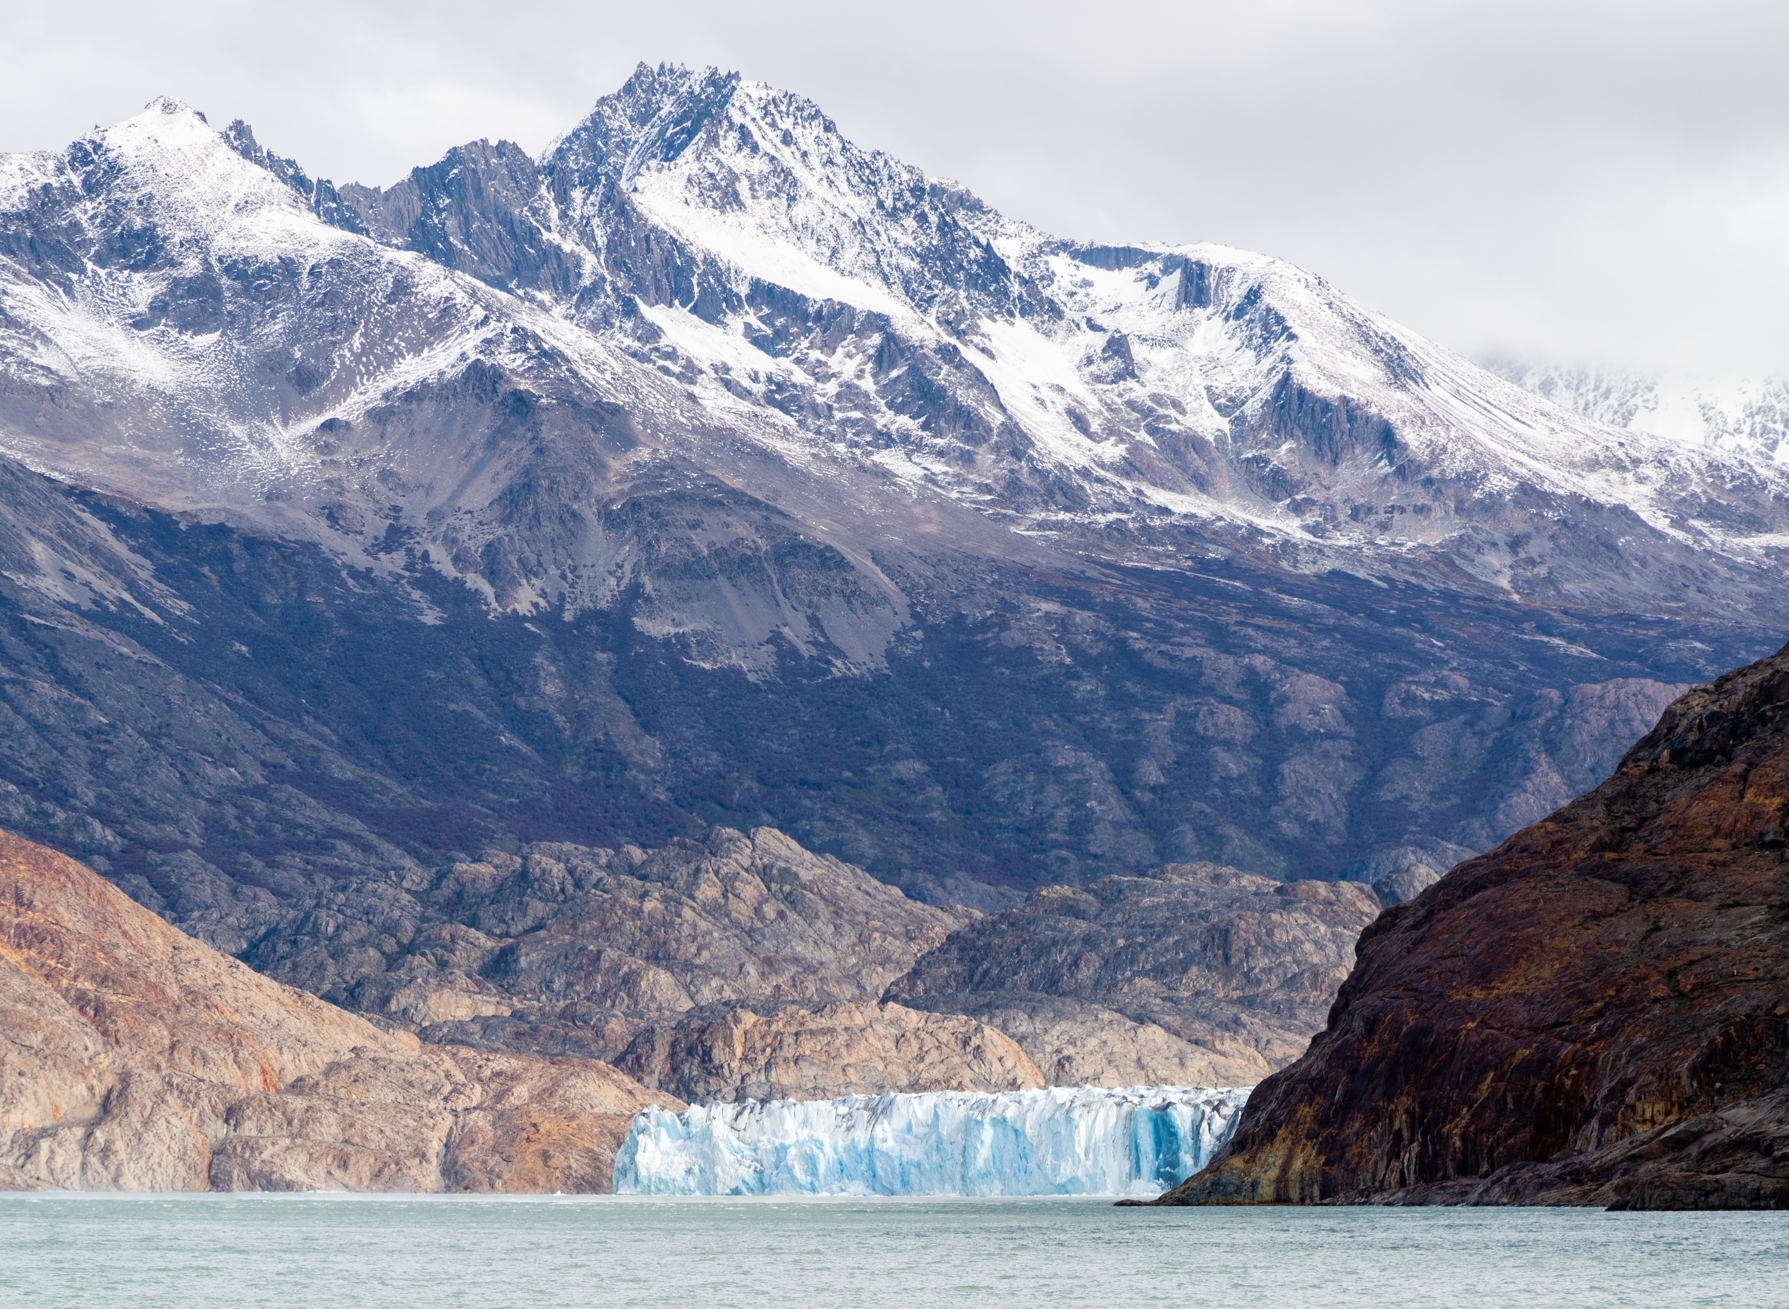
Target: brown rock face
{"type": "Point", "coordinates": [1195, 975]}
{"type": "Point", "coordinates": [133, 1057]}
{"type": "Point", "coordinates": [841, 1049]}
{"type": "Point", "coordinates": [1595, 1012]}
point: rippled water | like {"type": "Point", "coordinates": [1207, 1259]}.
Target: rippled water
{"type": "Point", "coordinates": [434, 1252]}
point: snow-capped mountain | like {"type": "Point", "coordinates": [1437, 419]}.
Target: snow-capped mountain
{"type": "Point", "coordinates": [706, 260]}
{"type": "Point", "coordinates": [1022, 558]}
{"type": "Point", "coordinates": [841, 303]}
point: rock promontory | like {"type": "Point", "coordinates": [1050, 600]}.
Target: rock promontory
{"type": "Point", "coordinates": [133, 1057]}
{"type": "Point", "coordinates": [1595, 1012]}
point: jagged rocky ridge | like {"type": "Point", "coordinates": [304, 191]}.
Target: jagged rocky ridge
{"type": "Point", "coordinates": [1595, 1012]}
{"type": "Point", "coordinates": [136, 1058]}
{"type": "Point", "coordinates": [710, 469]}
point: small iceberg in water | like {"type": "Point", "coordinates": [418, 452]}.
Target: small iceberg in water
{"type": "Point", "coordinates": [1084, 1140]}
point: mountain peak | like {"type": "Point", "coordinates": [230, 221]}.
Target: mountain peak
{"type": "Point", "coordinates": [167, 106]}
{"type": "Point", "coordinates": [166, 123]}
{"type": "Point", "coordinates": [780, 403]}
{"type": "Point", "coordinates": [654, 114]}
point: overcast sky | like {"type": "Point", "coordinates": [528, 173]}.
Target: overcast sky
{"type": "Point", "coordinates": [1578, 181]}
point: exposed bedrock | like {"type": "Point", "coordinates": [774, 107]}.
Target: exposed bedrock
{"type": "Point", "coordinates": [135, 1058]}
{"type": "Point", "coordinates": [1595, 1012]}
{"type": "Point", "coordinates": [746, 965]}
{"type": "Point", "coordinates": [232, 724]}
{"type": "Point", "coordinates": [569, 949]}
{"type": "Point", "coordinates": [517, 502]}
{"type": "Point", "coordinates": [1194, 975]}
{"type": "Point", "coordinates": [841, 1049]}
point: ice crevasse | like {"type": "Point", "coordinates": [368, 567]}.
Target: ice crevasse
{"type": "Point", "coordinates": [1087, 1140]}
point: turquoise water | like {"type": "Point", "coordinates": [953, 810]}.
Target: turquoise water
{"type": "Point", "coordinates": [436, 1252]}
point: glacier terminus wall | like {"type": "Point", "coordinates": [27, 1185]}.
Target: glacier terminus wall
{"type": "Point", "coordinates": [1136, 1141]}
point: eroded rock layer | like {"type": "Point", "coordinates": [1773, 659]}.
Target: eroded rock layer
{"type": "Point", "coordinates": [1597, 1011]}
{"type": "Point", "coordinates": [135, 1058]}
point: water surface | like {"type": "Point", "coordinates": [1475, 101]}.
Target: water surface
{"type": "Point", "coordinates": [334, 1251]}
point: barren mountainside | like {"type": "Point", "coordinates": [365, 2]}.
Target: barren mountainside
{"type": "Point", "coordinates": [745, 965]}
{"type": "Point", "coordinates": [576, 949]}
{"type": "Point", "coordinates": [1193, 976]}
{"type": "Point", "coordinates": [712, 470]}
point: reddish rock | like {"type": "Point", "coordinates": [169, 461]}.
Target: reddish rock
{"type": "Point", "coordinates": [1597, 1011]}
{"type": "Point", "coordinates": [133, 1057]}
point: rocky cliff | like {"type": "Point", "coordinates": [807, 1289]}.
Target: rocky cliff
{"type": "Point", "coordinates": [135, 1058]}
{"type": "Point", "coordinates": [1597, 1011]}
{"type": "Point", "coordinates": [1196, 975]}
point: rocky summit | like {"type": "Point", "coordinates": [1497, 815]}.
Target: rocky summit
{"type": "Point", "coordinates": [1595, 1012]}
{"type": "Point", "coordinates": [136, 1058]}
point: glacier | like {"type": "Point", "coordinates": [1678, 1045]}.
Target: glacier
{"type": "Point", "coordinates": [1086, 1140]}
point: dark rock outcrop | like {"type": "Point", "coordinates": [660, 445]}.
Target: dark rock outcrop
{"type": "Point", "coordinates": [1595, 1012]}
{"type": "Point", "coordinates": [135, 1058]}
{"type": "Point", "coordinates": [1194, 975]}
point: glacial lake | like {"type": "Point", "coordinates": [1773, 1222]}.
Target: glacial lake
{"type": "Point", "coordinates": [355, 1252]}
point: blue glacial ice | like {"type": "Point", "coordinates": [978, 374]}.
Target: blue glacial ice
{"type": "Point", "coordinates": [1086, 1140]}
